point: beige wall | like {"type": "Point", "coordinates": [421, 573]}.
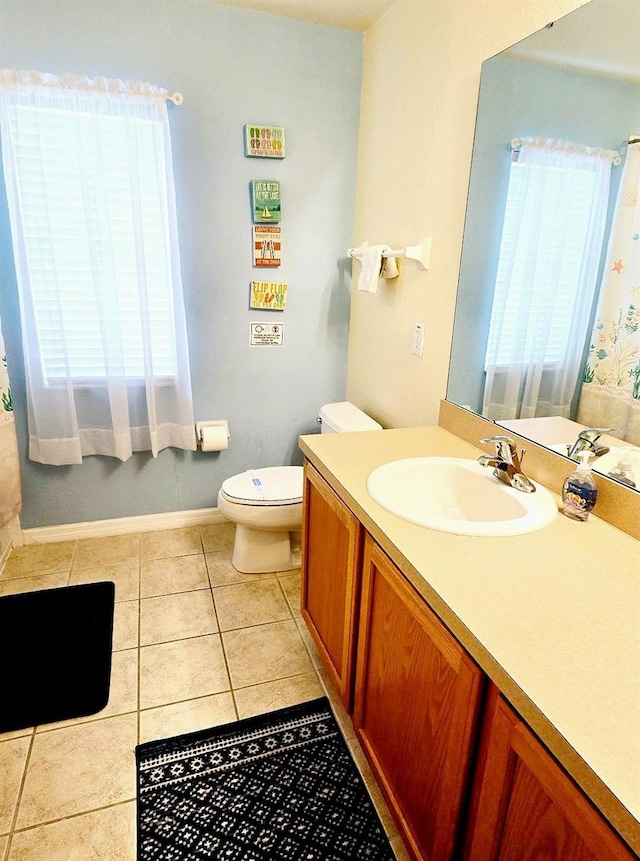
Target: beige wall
{"type": "Point", "coordinates": [421, 76]}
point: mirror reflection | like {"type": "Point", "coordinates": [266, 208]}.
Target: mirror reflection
{"type": "Point", "coordinates": [546, 338]}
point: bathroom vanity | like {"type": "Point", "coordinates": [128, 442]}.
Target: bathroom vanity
{"type": "Point", "coordinates": [492, 682]}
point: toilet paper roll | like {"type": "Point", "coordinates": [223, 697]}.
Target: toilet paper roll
{"type": "Point", "coordinates": [389, 268]}
{"type": "Point", "coordinates": [214, 438]}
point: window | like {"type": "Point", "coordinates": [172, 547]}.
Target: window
{"type": "Point", "coordinates": [546, 277]}
{"type": "Point", "coordinates": [89, 180]}
{"type": "Point", "coordinates": [87, 227]}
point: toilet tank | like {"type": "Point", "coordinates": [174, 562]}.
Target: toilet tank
{"type": "Point", "coordinates": [343, 417]}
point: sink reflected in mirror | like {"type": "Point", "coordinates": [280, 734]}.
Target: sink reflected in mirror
{"type": "Point", "coordinates": [630, 455]}
{"type": "Point", "coordinates": [459, 496]}
{"type": "Point", "coordinates": [559, 434]}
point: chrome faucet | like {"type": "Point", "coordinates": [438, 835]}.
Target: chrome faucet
{"type": "Point", "coordinates": [587, 441]}
{"type": "Point", "coordinates": [506, 463]}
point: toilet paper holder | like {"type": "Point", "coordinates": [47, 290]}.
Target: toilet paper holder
{"type": "Point", "coordinates": [215, 423]}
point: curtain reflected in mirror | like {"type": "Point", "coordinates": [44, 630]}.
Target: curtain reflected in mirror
{"type": "Point", "coordinates": [610, 391]}
{"type": "Point", "coordinates": [552, 233]}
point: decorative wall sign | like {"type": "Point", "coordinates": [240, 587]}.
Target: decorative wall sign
{"type": "Point", "coordinates": [266, 334]}
{"type": "Point", "coordinates": [263, 141]}
{"type": "Point", "coordinates": [266, 246]}
{"type": "Point", "coordinates": [267, 294]}
{"type": "Point", "coordinates": [265, 201]}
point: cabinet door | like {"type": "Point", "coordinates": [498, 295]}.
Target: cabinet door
{"type": "Point", "coordinates": [331, 555]}
{"type": "Point", "coordinates": [416, 708]}
{"type": "Point", "coordinates": [525, 806]}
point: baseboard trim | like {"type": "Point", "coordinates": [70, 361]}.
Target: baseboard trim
{"type": "Point", "coordinates": [122, 525]}
{"type": "Point", "coordinates": [10, 537]}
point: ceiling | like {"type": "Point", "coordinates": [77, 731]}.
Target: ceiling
{"type": "Point", "coordinates": [603, 36]}
{"type": "Point", "coordinates": [349, 14]}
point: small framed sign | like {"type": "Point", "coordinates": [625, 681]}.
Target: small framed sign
{"type": "Point", "coordinates": [263, 141]}
{"type": "Point", "coordinates": [265, 201]}
{"type": "Point", "coordinates": [266, 246]}
{"type": "Point", "coordinates": [266, 335]}
{"type": "Point", "coordinates": [269, 295]}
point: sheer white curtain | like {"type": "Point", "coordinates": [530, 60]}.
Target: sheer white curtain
{"type": "Point", "coordinates": [546, 277]}
{"type": "Point", "coordinates": [87, 165]}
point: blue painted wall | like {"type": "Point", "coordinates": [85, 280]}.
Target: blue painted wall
{"type": "Point", "coordinates": [521, 99]}
{"type": "Point", "coordinates": [232, 67]}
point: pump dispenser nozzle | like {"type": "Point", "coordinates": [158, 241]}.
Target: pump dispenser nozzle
{"type": "Point", "coordinates": [584, 457]}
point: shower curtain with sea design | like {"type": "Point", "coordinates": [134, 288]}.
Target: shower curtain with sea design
{"type": "Point", "coordinates": [10, 493]}
{"type": "Point", "coordinates": [610, 394]}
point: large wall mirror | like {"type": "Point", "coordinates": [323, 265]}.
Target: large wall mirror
{"type": "Point", "coordinates": [570, 91]}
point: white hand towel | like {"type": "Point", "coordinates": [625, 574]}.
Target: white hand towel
{"type": "Point", "coordinates": [371, 260]}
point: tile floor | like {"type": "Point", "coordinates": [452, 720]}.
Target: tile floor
{"type": "Point", "coordinates": [195, 644]}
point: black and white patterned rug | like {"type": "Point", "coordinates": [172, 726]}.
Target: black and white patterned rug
{"type": "Point", "coordinates": [277, 787]}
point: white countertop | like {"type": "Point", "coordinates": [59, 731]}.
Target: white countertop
{"type": "Point", "coordinates": [553, 617]}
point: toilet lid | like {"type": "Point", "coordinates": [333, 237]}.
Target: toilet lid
{"type": "Point", "coordinates": [273, 485]}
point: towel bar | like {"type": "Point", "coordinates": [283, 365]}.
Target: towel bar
{"type": "Point", "coordinates": [420, 253]}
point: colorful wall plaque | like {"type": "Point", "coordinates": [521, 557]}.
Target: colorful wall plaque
{"type": "Point", "coordinates": [263, 141]}
{"type": "Point", "coordinates": [266, 246]}
{"type": "Point", "coordinates": [266, 335]}
{"type": "Point", "coordinates": [267, 294]}
{"type": "Point", "coordinates": [265, 201]}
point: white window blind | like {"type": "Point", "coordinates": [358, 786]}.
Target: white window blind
{"type": "Point", "coordinates": [85, 266]}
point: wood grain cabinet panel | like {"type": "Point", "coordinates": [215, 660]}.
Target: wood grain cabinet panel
{"type": "Point", "coordinates": [331, 557]}
{"type": "Point", "coordinates": [416, 708]}
{"type": "Point", "coordinates": [525, 806]}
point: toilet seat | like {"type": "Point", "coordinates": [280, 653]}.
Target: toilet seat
{"type": "Point", "coordinates": [270, 486]}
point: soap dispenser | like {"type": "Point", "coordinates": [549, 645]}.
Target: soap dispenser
{"type": "Point", "coordinates": [579, 492]}
{"type": "Point", "coordinates": [622, 470]}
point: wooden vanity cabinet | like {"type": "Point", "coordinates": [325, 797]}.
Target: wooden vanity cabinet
{"type": "Point", "coordinates": [462, 773]}
{"type": "Point", "coordinates": [331, 557]}
{"type": "Point", "coordinates": [525, 806]}
{"type": "Point", "coordinates": [416, 708]}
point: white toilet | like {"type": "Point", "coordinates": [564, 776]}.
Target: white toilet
{"type": "Point", "coordinates": [266, 504]}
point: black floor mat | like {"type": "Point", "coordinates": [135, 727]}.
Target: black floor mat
{"type": "Point", "coordinates": [55, 654]}
{"type": "Point", "coordinates": [281, 786]}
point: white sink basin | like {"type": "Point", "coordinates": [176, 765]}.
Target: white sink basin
{"type": "Point", "coordinates": [459, 496]}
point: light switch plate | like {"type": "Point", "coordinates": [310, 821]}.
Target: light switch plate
{"type": "Point", "coordinates": [417, 347]}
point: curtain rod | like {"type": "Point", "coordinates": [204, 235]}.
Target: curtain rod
{"type": "Point", "coordinates": [176, 98]}
{"type": "Point", "coordinates": [515, 144]}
